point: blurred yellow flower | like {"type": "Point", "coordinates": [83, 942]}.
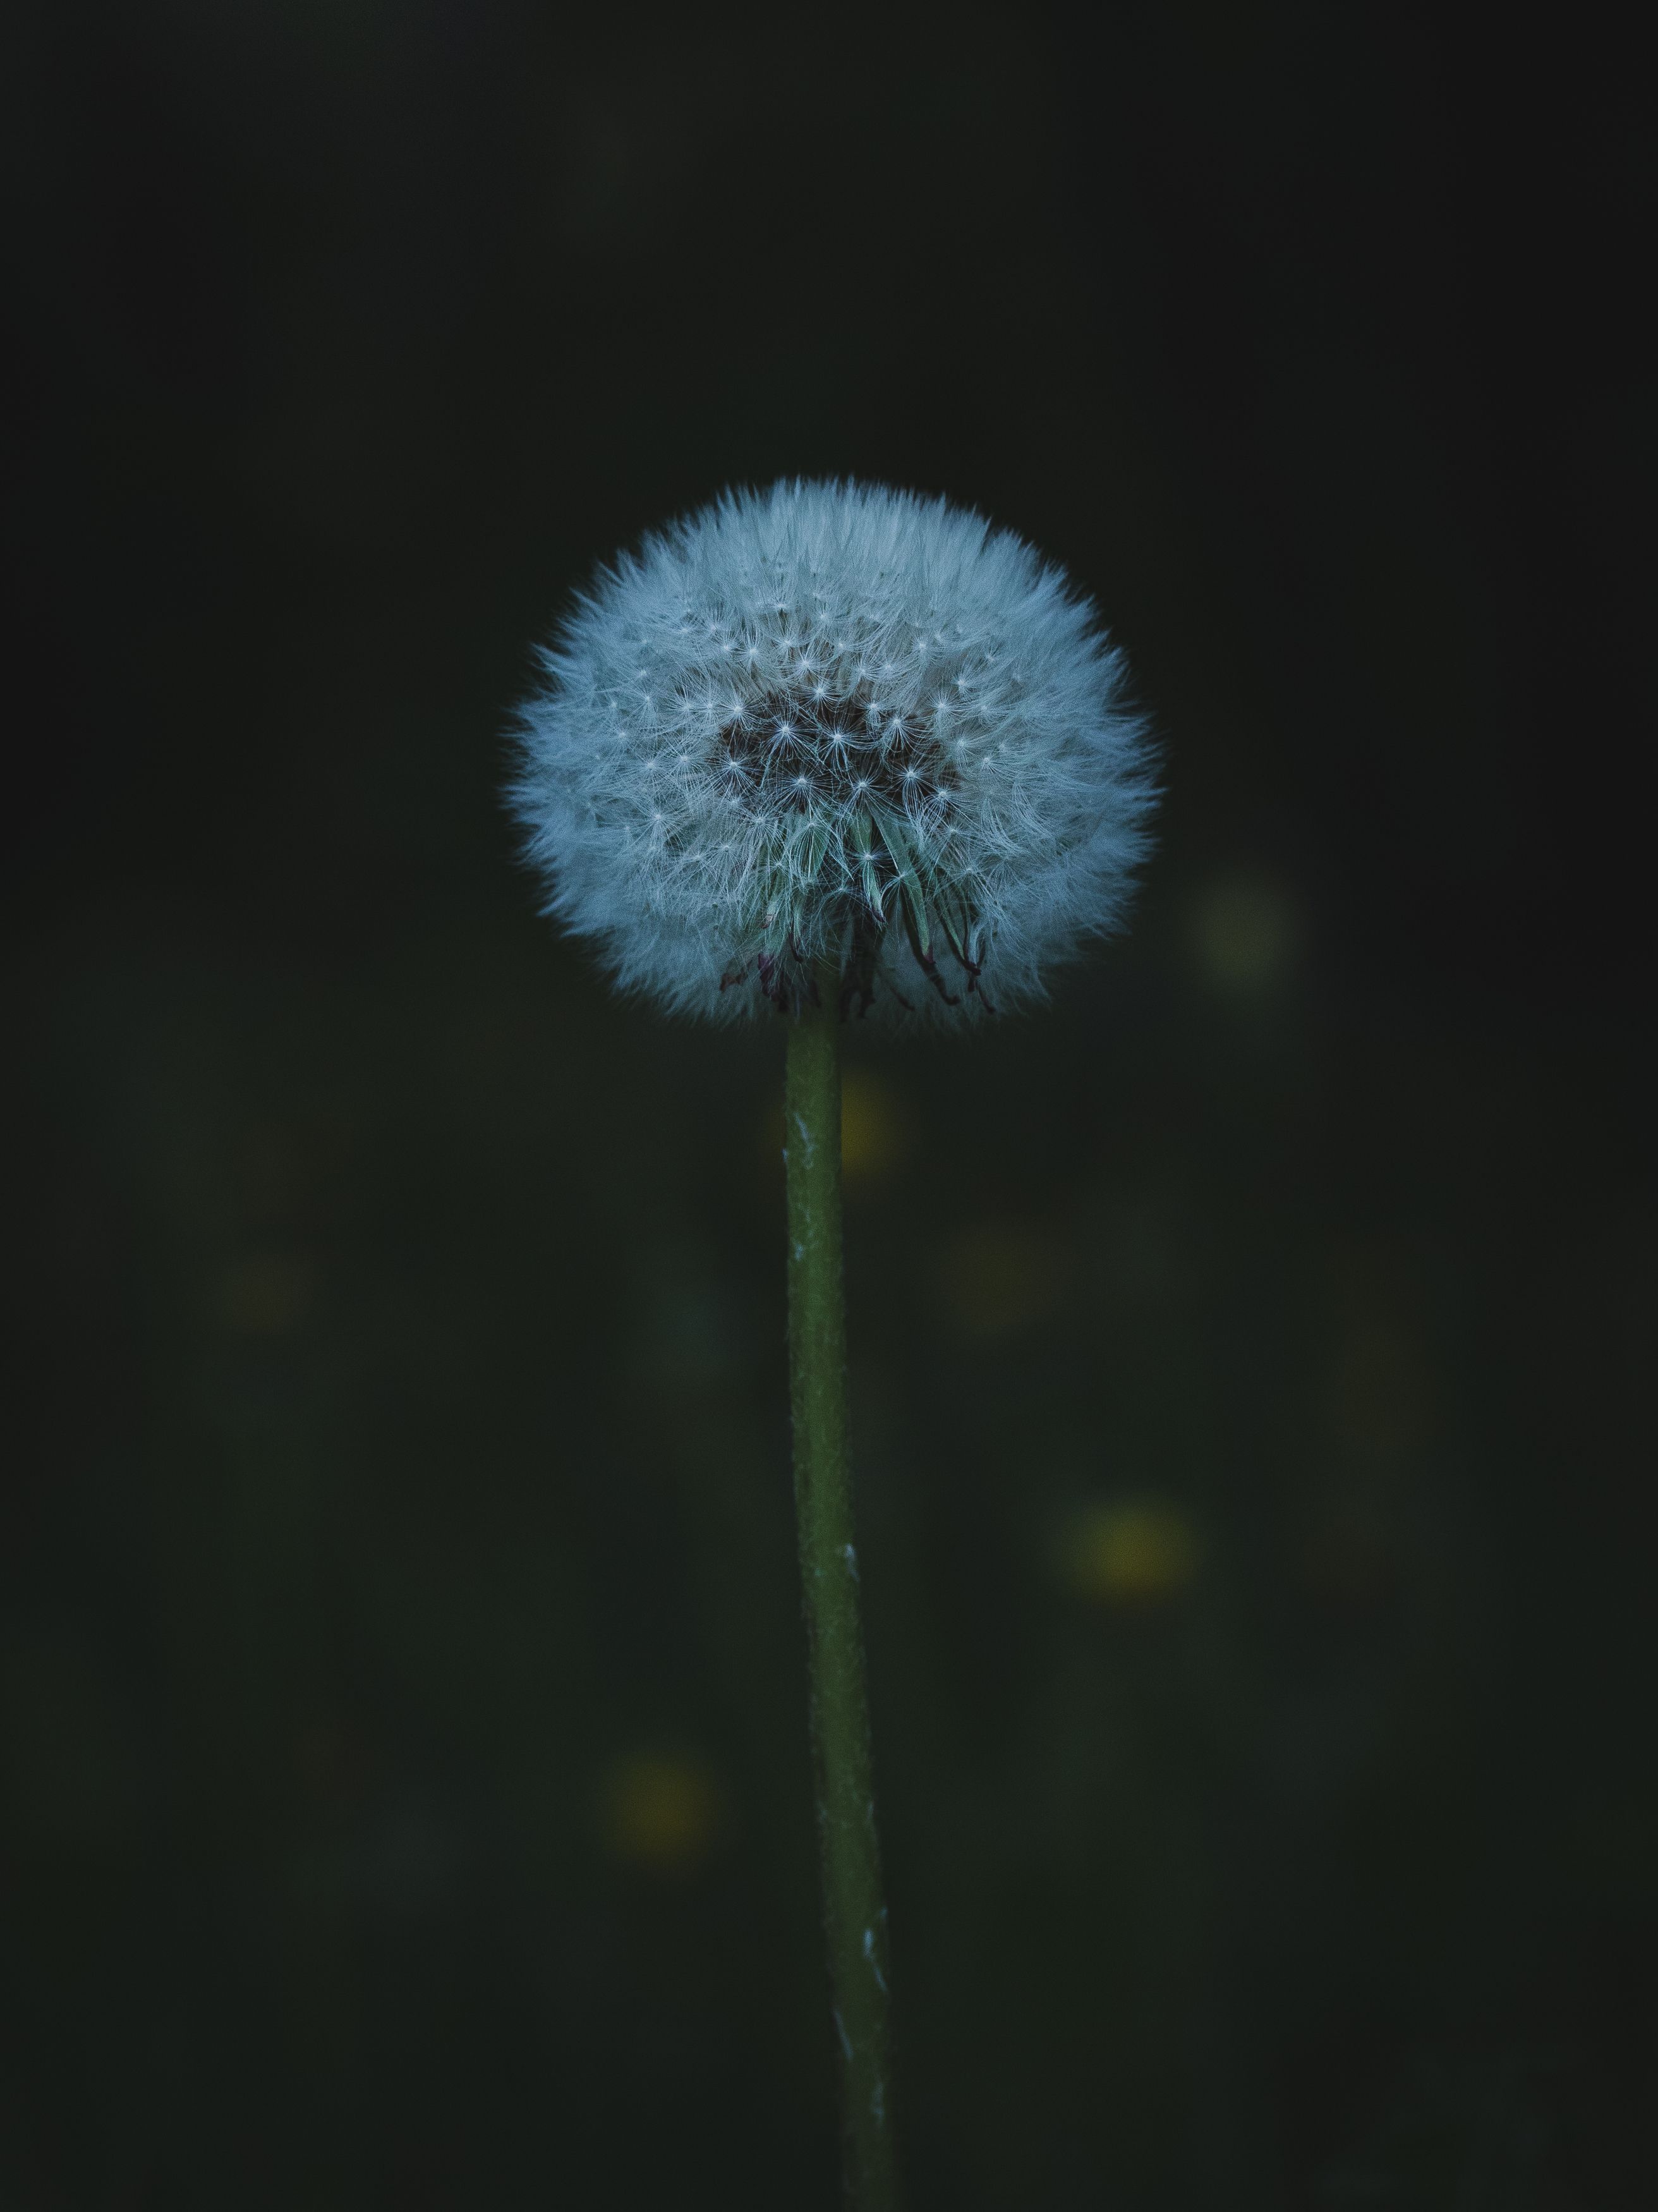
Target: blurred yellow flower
{"type": "Point", "coordinates": [1001, 1276]}
{"type": "Point", "coordinates": [1246, 932]}
{"type": "Point", "coordinates": [872, 1131]}
{"type": "Point", "coordinates": [266, 1294]}
{"type": "Point", "coordinates": [661, 1812]}
{"type": "Point", "coordinates": [1382, 1392]}
{"type": "Point", "coordinates": [1128, 1553]}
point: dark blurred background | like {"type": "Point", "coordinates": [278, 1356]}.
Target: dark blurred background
{"type": "Point", "coordinates": [406, 1788]}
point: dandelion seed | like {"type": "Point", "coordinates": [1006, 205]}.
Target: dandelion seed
{"type": "Point", "coordinates": [1052, 821]}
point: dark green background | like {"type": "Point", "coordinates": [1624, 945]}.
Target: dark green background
{"type": "Point", "coordinates": [396, 1320]}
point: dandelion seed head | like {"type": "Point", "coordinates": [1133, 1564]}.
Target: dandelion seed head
{"type": "Point", "coordinates": [943, 823]}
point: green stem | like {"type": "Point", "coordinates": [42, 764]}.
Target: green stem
{"type": "Point", "coordinates": [854, 1916]}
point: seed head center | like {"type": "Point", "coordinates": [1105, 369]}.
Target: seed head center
{"type": "Point", "coordinates": [790, 750]}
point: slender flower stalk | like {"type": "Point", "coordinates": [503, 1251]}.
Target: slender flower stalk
{"type": "Point", "coordinates": [855, 1909]}
{"type": "Point", "coordinates": [824, 750]}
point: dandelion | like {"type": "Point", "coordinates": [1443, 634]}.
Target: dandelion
{"type": "Point", "coordinates": [831, 749]}
{"type": "Point", "coordinates": [833, 725]}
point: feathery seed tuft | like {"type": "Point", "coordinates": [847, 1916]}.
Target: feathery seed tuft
{"type": "Point", "coordinates": [833, 722]}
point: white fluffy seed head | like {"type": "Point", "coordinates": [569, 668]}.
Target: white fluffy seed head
{"type": "Point", "coordinates": [833, 723]}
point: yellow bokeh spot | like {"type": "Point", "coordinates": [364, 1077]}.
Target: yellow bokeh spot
{"type": "Point", "coordinates": [872, 1131]}
{"type": "Point", "coordinates": [661, 1812]}
{"type": "Point", "coordinates": [266, 1294]}
{"type": "Point", "coordinates": [1001, 1276]}
{"type": "Point", "coordinates": [1382, 1392]}
{"type": "Point", "coordinates": [1128, 1554]}
{"type": "Point", "coordinates": [1246, 932]}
